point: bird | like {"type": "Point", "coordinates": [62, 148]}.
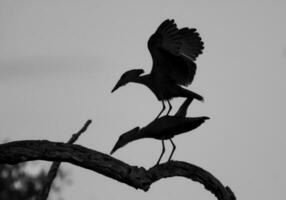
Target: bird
{"type": "Point", "coordinates": [163, 128]}
{"type": "Point", "coordinates": [173, 52]}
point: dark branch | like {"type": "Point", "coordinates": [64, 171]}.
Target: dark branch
{"type": "Point", "coordinates": [55, 166]}
{"type": "Point", "coordinates": [139, 178]}
{"type": "Point", "coordinates": [75, 136]}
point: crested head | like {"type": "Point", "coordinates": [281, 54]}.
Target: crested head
{"type": "Point", "coordinates": [131, 74]}
{"type": "Point", "coordinates": [125, 138]}
{"type": "Point", "coordinates": [128, 76]}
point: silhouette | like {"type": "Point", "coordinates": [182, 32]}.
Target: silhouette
{"type": "Point", "coordinates": [163, 128]}
{"type": "Point", "coordinates": [173, 52]}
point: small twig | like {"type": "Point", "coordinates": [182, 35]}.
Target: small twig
{"type": "Point", "coordinates": [55, 166]}
{"type": "Point", "coordinates": [75, 136]}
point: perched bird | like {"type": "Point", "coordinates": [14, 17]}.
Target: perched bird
{"type": "Point", "coordinates": [173, 52]}
{"type": "Point", "coordinates": [163, 128]}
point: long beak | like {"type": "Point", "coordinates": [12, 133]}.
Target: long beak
{"type": "Point", "coordinates": [118, 84]}
{"type": "Point", "coordinates": [130, 134]}
{"type": "Point", "coordinates": [114, 149]}
{"type": "Point", "coordinates": [116, 146]}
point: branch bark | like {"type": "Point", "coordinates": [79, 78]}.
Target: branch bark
{"type": "Point", "coordinates": [137, 177]}
{"type": "Point", "coordinates": [55, 166]}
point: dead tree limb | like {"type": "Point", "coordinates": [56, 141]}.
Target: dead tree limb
{"type": "Point", "coordinates": [137, 177]}
{"type": "Point", "coordinates": [55, 166]}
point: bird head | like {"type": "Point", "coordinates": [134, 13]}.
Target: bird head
{"type": "Point", "coordinates": [127, 77]}
{"type": "Point", "coordinates": [125, 138]}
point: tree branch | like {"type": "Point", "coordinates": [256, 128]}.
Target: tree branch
{"type": "Point", "coordinates": [55, 166]}
{"type": "Point", "coordinates": [137, 177]}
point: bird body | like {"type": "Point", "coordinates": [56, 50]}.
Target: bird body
{"type": "Point", "coordinates": [167, 127]}
{"type": "Point", "coordinates": [163, 128]}
{"type": "Point", "coordinates": [164, 89]}
{"type": "Point", "coordinates": [173, 52]}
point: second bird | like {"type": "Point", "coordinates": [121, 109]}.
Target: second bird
{"type": "Point", "coordinates": [164, 128]}
{"type": "Point", "coordinates": [173, 52]}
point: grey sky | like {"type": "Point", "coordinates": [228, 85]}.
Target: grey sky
{"type": "Point", "coordinates": [60, 59]}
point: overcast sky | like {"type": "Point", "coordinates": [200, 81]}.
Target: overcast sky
{"type": "Point", "coordinates": [60, 59]}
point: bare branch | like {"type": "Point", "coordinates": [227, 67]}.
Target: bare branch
{"type": "Point", "coordinates": [55, 166]}
{"type": "Point", "coordinates": [75, 136]}
{"type": "Point", "coordinates": [137, 177]}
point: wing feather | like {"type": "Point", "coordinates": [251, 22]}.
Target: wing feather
{"type": "Point", "coordinates": [192, 44]}
{"type": "Point", "coordinates": [174, 51]}
{"type": "Point", "coordinates": [166, 37]}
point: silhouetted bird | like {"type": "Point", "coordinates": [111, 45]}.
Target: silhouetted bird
{"type": "Point", "coordinates": [163, 128]}
{"type": "Point", "coordinates": [173, 52]}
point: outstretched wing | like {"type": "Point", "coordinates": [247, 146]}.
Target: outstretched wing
{"type": "Point", "coordinates": [166, 37]}
{"type": "Point", "coordinates": [192, 45]}
{"type": "Point", "coordinates": [174, 51]}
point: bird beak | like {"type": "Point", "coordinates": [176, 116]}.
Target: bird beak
{"type": "Point", "coordinates": [123, 141]}
{"type": "Point", "coordinates": [118, 85]}
{"type": "Point", "coordinates": [117, 146]}
{"type": "Point", "coordinates": [113, 150]}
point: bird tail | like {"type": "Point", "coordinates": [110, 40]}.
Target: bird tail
{"type": "Point", "coordinates": [198, 97]}
{"type": "Point", "coordinates": [205, 118]}
{"type": "Point", "coordinates": [184, 107]}
{"type": "Point", "coordinates": [191, 94]}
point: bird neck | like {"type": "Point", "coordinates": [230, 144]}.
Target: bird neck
{"type": "Point", "coordinates": [129, 137]}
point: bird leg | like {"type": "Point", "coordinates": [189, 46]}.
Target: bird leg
{"type": "Point", "coordinates": [163, 151]}
{"type": "Point", "coordinates": [163, 108]}
{"type": "Point", "coordinates": [170, 107]}
{"type": "Point", "coordinates": [174, 148]}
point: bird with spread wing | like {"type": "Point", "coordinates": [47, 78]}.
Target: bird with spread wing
{"type": "Point", "coordinates": [174, 52]}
